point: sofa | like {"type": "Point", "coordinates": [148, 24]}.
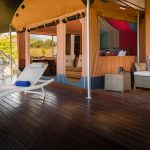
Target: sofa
{"type": "Point", "coordinates": [141, 76]}
{"type": "Point", "coordinates": [73, 67]}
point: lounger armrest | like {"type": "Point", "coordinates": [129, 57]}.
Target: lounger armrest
{"type": "Point", "coordinates": [38, 86]}
{"type": "Point", "coordinates": [42, 81]}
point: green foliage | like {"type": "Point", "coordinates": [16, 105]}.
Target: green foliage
{"type": "Point", "coordinates": [5, 46]}
{"type": "Point", "coordinates": [41, 44]}
{"type": "Point", "coordinates": [41, 48]}
{"type": "Point", "coordinates": [37, 47]}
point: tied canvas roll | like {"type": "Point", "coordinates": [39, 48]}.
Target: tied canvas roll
{"type": "Point", "coordinates": [23, 83]}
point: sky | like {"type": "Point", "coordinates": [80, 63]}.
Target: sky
{"type": "Point", "coordinates": [42, 37]}
{"type": "Point", "coordinates": [6, 34]}
{"type": "Point", "coordinates": [34, 36]}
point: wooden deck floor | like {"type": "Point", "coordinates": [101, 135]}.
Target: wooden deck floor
{"type": "Point", "coordinates": [67, 121]}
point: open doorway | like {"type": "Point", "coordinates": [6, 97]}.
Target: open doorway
{"type": "Point", "coordinates": [73, 58]}
{"type": "Point", "coordinates": [43, 48]}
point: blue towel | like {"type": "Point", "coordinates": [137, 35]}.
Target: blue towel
{"type": "Point", "coordinates": [23, 83]}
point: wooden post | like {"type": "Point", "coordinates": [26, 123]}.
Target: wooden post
{"type": "Point", "coordinates": [27, 47]}
{"type": "Point", "coordinates": [21, 50]}
{"type": "Point", "coordinates": [61, 49]}
{"type": "Point", "coordinates": [147, 25]}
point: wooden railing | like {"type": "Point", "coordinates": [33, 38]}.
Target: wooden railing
{"type": "Point", "coordinates": [110, 64]}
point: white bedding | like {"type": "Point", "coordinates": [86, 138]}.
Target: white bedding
{"type": "Point", "coordinates": [142, 73]}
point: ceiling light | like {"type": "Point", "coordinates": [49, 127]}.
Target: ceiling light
{"type": "Point", "coordinates": [122, 7]}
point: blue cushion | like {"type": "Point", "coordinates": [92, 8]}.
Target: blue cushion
{"type": "Point", "coordinates": [23, 83]}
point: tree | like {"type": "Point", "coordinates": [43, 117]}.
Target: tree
{"type": "Point", "coordinates": [5, 46]}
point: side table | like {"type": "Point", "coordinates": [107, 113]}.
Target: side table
{"type": "Point", "coordinates": [118, 82]}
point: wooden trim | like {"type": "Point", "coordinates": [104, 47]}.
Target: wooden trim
{"type": "Point", "coordinates": [142, 41]}
{"type": "Point", "coordinates": [21, 49]}
{"type": "Point", "coordinates": [27, 47]}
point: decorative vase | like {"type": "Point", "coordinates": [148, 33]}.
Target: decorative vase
{"type": "Point", "coordinates": [121, 70]}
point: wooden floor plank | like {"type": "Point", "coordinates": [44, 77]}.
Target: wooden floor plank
{"type": "Point", "coordinates": [67, 121]}
{"type": "Point", "coordinates": [19, 130]}
{"type": "Point", "coordinates": [101, 143]}
{"type": "Point", "coordinates": [102, 128]}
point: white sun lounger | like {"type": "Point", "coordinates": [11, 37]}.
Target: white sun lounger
{"type": "Point", "coordinates": [32, 73]}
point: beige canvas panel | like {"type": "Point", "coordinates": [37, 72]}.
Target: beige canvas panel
{"type": "Point", "coordinates": [112, 10]}
{"type": "Point", "coordinates": [38, 11]}
{"type": "Point", "coordinates": [137, 4]}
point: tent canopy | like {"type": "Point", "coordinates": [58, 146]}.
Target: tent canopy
{"type": "Point", "coordinates": [37, 11]}
{"type": "Point", "coordinates": [8, 8]}
{"type": "Point", "coordinates": [122, 25]}
{"type": "Point", "coordinates": [118, 34]}
{"type": "Point", "coordinates": [136, 4]}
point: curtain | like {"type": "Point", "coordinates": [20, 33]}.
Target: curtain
{"type": "Point", "coordinates": [113, 34]}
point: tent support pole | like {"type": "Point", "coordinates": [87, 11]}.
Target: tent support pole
{"type": "Point", "coordinates": [10, 33]}
{"type": "Point", "coordinates": [88, 51]}
{"type": "Point", "coordinates": [138, 37]}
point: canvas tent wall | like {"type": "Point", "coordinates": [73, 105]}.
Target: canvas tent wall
{"type": "Point", "coordinates": [109, 35]}
{"type": "Point", "coordinates": [136, 4]}
{"type": "Point", "coordinates": [32, 16]}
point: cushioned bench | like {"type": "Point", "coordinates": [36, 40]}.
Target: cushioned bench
{"type": "Point", "coordinates": [141, 76]}
{"type": "Point", "coordinates": [73, 67]}
{"type": "Point", "coordinates": [142, 79]}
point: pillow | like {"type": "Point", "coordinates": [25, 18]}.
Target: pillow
{"type": "Point", "coordinates": [140, 66]}
{"type": "Point", "coordinates": [69, 60]}
{"type": "Point", "coordinates": [120, 53]}
{"type": "Point", "coordinates": [37, 65]}
{"type": "Point", "coordinates": [23, 83]}
{"type": "Point", "coordinates": [79, 65]}
{"type": "Point", "coordinates": [76, 61]}
{"type": "Point", "coordinates": [124, 53]}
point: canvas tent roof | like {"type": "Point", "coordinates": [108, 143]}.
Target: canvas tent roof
{"type": "Point", "coordinates": [37, 11]}
{"type": "Point", "coordinates": [136, 4]}
{"type": "Point", "coordinates": [7, 9]}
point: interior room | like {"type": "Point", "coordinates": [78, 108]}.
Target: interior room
{"type": "Point", "coordinates": [43, 47]}
{"type": "Point", "coordinates": [117, 37]}
{"type": "Point", "coordinates": [73, 57]}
